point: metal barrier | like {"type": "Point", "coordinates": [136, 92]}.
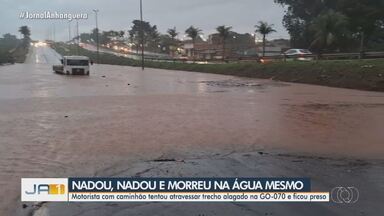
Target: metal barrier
{"type": "Point", "coordinates": [326, 56]}
{"type": "Point", "coordinates": [336, 56]}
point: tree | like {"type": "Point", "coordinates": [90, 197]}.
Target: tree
{"type": "Point", "coordinates": [224, 33]}
{"type": "Point", "coordinates": [9, 37]}
{"type": "Point", "coordinates": [9, 42]}
{"type": "Point", "coordinates": [150, 34]}
{"type": "Point", "coordinates": [112, 33]}
{"type": "Point", "coordinates": [121, 34]}
{"type": "Point", "coordinates": [105, 37]}
{"type": "Point", "coordinates": [167, 44]}
{"type": "Point", "coordinates": [299, 15]}
{"type": "Point", "coordinates": [173, 34]}
{"type": "Point", "coordinates": [376, 43]}
{"type": "Point", "coordinates": [329, 29]}
{"type": "Point", "coordinates": [265, 29]}
{"type": "Point", "coordinates": [95, 34]}
{"type": "Point", "coordinates": [193, 33]}
{"type": "Point", "coordinates": [24, 30]}
{"type": "Point", "coordinates": [108, 36]}
{"type": "Point", "coordinates": [85, 37]}
{"type": "Point", "coordinates": [363, 16]}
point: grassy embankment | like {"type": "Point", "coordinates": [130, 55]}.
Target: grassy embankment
{"type": "Point", "coordinates": [354, 74]}
{"type": "Point", "coordinates": [12, 51]}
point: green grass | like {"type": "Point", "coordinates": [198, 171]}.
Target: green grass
{"type": "Point", "coordinates": [105, 58]}
{"type": "Point", "coordinates": [354, 74]}
{"type": "Point", "coordinates": [12, 51]}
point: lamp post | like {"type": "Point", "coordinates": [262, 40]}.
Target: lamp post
{"type": "Point", "coordinates": [69, 31]}
{"type": "Point", "coordinates": [77, 36]}
{"type": "Point", "coordinates": [142, 34]}
{"type": "Point", "coordinates": [54, 32]}
{"type": "Point", "coordinates": [97, 34]}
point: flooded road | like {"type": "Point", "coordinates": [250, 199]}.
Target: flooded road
{"type": "Point", "coordinates": [59, 126]}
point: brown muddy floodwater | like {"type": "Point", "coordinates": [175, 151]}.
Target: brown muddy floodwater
{"type": "Point", "coordinates": [59, 126]}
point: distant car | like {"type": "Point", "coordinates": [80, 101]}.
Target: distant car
{"type": "Point", "coordinates": [299, 54]}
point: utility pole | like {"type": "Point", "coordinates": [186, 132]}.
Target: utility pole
{"type": "Point", "coordinates": [69, 31]}
{"type": "Point", "coordinates": [97, 35]}
{"type": "Point", "coordinates": [142, 34]}
{"type": "Point", "coordinates": [78, 36]}
{"type": "Point", "coordinates": [54, 32]}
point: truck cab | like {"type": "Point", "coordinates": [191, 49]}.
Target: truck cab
{"type": "Point", "coordinates": [73, 65]}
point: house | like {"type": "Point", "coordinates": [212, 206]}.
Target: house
{"type": "Point", "coordinates": [212, 49]}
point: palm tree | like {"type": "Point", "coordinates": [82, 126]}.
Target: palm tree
{"type": "Point", "coordinates": [193, 33]}
{"type": "Point", "coordinates": [224, 33]}
{"type": "Point", "coordinates": [265, 29]}
{"type": "Point", "coordinates": [328, 28]}
{"type": "Point", "coordinates": [173, 33]}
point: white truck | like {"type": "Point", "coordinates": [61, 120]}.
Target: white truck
{"type": "Point", "coordinates": [73, 65]}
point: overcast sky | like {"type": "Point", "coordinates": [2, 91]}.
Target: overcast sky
{"type": "Point", "coordinates": [118, 15]}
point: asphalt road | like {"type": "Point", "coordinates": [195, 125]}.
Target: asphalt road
{"type": "Point", "coordinates": [119, 120]}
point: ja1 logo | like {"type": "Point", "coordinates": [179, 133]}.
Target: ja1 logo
{"type": "Point", "coordinates": [51, 189]}
{"type": "Point", "coordinates": [44, 189]}
{"type": "Point", "coordinates": [346, 195]}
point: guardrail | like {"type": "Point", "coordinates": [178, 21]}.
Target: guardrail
{"type": "Point", "coordinates": [364, 55]}
{"type": "Point", "coordinates": [332, 56]}
{"type": "Point", "coordinates": [325, 56]}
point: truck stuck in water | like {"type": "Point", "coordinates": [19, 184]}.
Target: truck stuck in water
{"type": "Point", "coordinates": [73, 65]}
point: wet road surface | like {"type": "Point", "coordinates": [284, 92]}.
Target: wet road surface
{"type": "Point", "coordinates": [119, 117]}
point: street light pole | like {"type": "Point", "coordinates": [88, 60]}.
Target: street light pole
{"type": "Point", "coordinates": [97, 35]}
{"type": "Point", "coordinates": [69, 31]}
{"type": "Point", "coordinates": [78, 36]}
{"type": "Point", "coordinates": [54, 32]}
{"type": "Point", "coordinates": [142, 34]}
